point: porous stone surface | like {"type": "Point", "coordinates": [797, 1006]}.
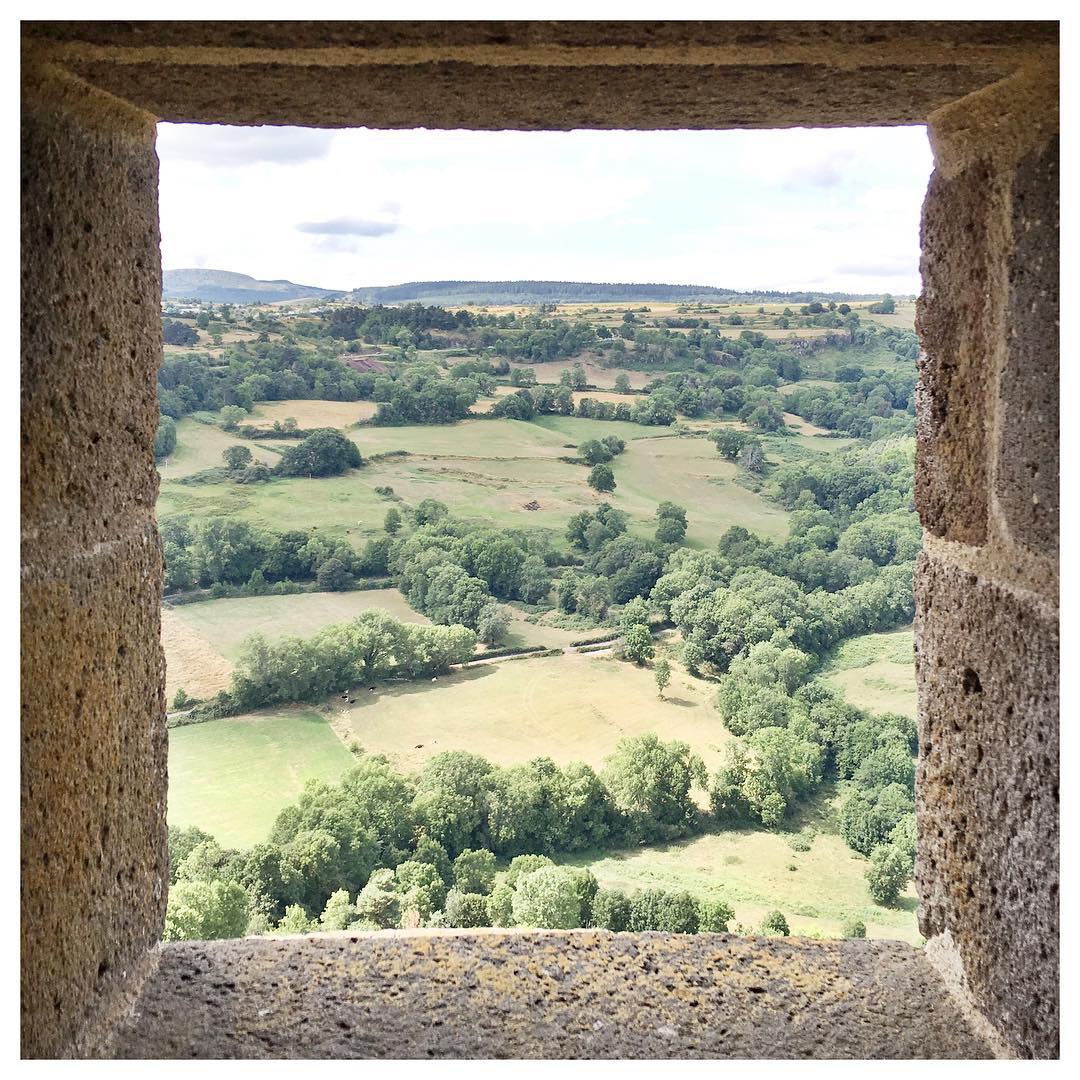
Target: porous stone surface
{"type": "Point", "coordinates": [987, 794]}
{"type": "Point", "coordinates": [962, 246]}
{"type": "Point", "coordinates": [1026, 479]}
{"type": "Point", "coordinates": [544, 74]}
{"type": "Point", "coordinates": [577, 994]}
{"type": "Point", "coordinates": [93, 737]}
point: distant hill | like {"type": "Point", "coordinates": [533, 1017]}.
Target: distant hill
{"type": "Point", "coordinates": [536, 292]}
{"type": "Point", "coordinates": [225, 287]}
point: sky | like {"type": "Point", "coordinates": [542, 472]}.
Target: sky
{"type": "Point", "coordinates": [824, 210]}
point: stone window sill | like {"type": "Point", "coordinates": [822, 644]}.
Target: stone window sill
{"type": "Point", "coordinates": [543, 994]}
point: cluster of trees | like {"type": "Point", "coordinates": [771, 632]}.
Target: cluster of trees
{"type": "Point", "coordinates": [372, 646]}
{"type": "Point", "coordinates": [224, 551]}
{"type": "Point", "coordinates": [248, 373]}
{"type": "Point", "coordinates": [421, 396]}
{"type": "Point", "coordinates": [451, 571]}
{"type": "Point", "coordinates": [864, 406]}
{"type": "Point", "coordinates": [366, 834]}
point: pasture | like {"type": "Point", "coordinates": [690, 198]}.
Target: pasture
{"type": "Point", "coordinates": [202, 641]}
{"type": "Point", "coordinates": [488, 470]}
{"type": "Point", "coordinates": [232, 777]}
{"type": "Point", "coordinates": [569, 708]}
{"type": "Point", "coordinates": [200, 446]}
{"type": "Point", "coordinates": [876, 671]}
{"type": "Point", "coordinates": [756, 871]}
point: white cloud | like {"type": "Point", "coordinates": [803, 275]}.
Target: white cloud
{"type": "Point", "coordinates": [215, 145]}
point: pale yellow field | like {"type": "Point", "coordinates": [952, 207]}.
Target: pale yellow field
{"type": "Point", "coordinates": [191, 662]}
{"type": "Point", "coordinates": [570, 708]}
{"type": "Point", "coordinates": [313, 414]}
{"type": "Point", "coordinates": [551, 372]}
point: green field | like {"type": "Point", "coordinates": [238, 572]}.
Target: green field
{"type": "Point", "coordinates": [488, 470]}
{"type": "Point", "coordinates": [200, 446]}
{"type": "Point", "coordinates": [756, 871]}
{"type": "Point", "coordinates": [231, 777]}
{"type": "Point", "coordinates": [569, 708]}
{"type": "Point", "coordinates": [202, 641]}
{"type": "Point", "coordinates": [225, 624]}
{"type": "Point", "coordinates": [877, 671]}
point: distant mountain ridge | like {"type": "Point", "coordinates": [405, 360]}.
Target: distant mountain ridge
{"type": "Point", "coordinates": [534, 292]}
{"type": "Point", "coordinates": [224, 286]}
{"type": "Point", "coordinates": [227, 287]}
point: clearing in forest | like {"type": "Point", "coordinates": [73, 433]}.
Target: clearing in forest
{"type": "Point", "coordinates": [877, 671]}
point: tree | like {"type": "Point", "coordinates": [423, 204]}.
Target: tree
{"type": "Point", "coordinates": [378, 901]}
{"type": "Point", "coordinates": [325, 452]}
{"type": "Point", "coordinates": [650, 781]}
{"type": "Point", "coordinates": [231, 415]}
{"type": "Point", "coordinates": [392, 521]}
{"type": "Point", "coordinates": [888, 873]}
{"type": "Point", "coordinates": [333, 576]}
{"type": "Point", "coordinates": [547, 898]}
{"type": "Point", "coordinates": [714, 916]}
{"type": "Point", "coordinates": [500, 906]}
{"type": "Point", "coordinates": [422, 890]}
{"type": "Point", "coordinates": [670, 531]}
{"type": "Point", "coordinates": [622, 383]}
{"type": "Point", "coordinates": [165, 438]}
{"type": "Point", "coordinates": [535, 581]}
{"type": "Point", "coordinates": [774, 924]}
{"type": "Point", "coordinates": [296, 921]}
{"type": "Point", "coordinates": [205, 910]}
{"type": "Point", "coordinates": [466, 909]}
{"type": "Point", "coordinates": [610, 910]}
{"type": "Point", "coordinates": [474, 871]}
{"type": "Point", "coordinates": [339, 911]}
{"type": "Point", "coordinates": [854, 928]}
{"type": "Point", "coordinates": [637, 645]}
{"type": "Point", "coordinates": [601, 478]}
{"type": "Point", "coordinates": [662, 675]}
{"type": "Point", "coordinates": [492, 624]}
{"type": "Point", "coordinates": [236, 457]}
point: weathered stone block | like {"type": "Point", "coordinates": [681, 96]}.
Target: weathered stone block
{"type": "Point", "coordinates": [956, 321]}
{"type": "Point", "coordinates": [987, 794]}
{"type": "Point", "coordinates": [93, 792]}
{"type": "Point", "coordinates": [544, 994]}
{"type": "Point", "coordinates": [91, 322]}
{"type": "Point", "coordinates": [1026, 479]}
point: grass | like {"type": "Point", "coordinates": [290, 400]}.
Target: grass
{"type": "Point", "coordinates": [225, 624]}
{"type": "Point", "coordinates": [487, 471]}
{"type": "Point", "coordinates": [232, 777]}
{"type": "Point", "coordinates": [750, 869]}
{"type": "Point", "coordinates": [690, 472]}
{"type": "Point", "coordinates": [876, 671]}
{"type": "Point", "coordinates": [202, 641]}
{"type": "Point", "coordinates": [569, 708]}
{"type": "Point", "coordinates": [200, 446]}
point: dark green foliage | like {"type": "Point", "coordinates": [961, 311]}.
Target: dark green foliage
{"type": "Point", "coordinates": [774, 924]}
{"type": "Point", "coordinates": [889, 872]}
{"type": "Point", "coordinates": [474, 871]}
{"type": "Point", "coordinates": [326, 452]}
{"type": "Point", "coordinates": [601, 478]}
{"type": "Point", "coordinates": [466, 909]}
{"type": "Point", "coordinates": [610, 911]}
{"type": "Point", "coordinates": [164, 438]}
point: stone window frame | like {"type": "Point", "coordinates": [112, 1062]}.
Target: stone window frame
{"type": "Point", "coordinates": [93, 787]}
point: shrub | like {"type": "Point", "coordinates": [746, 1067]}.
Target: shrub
{"type": "Point", "coordinates": [774, 924]}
